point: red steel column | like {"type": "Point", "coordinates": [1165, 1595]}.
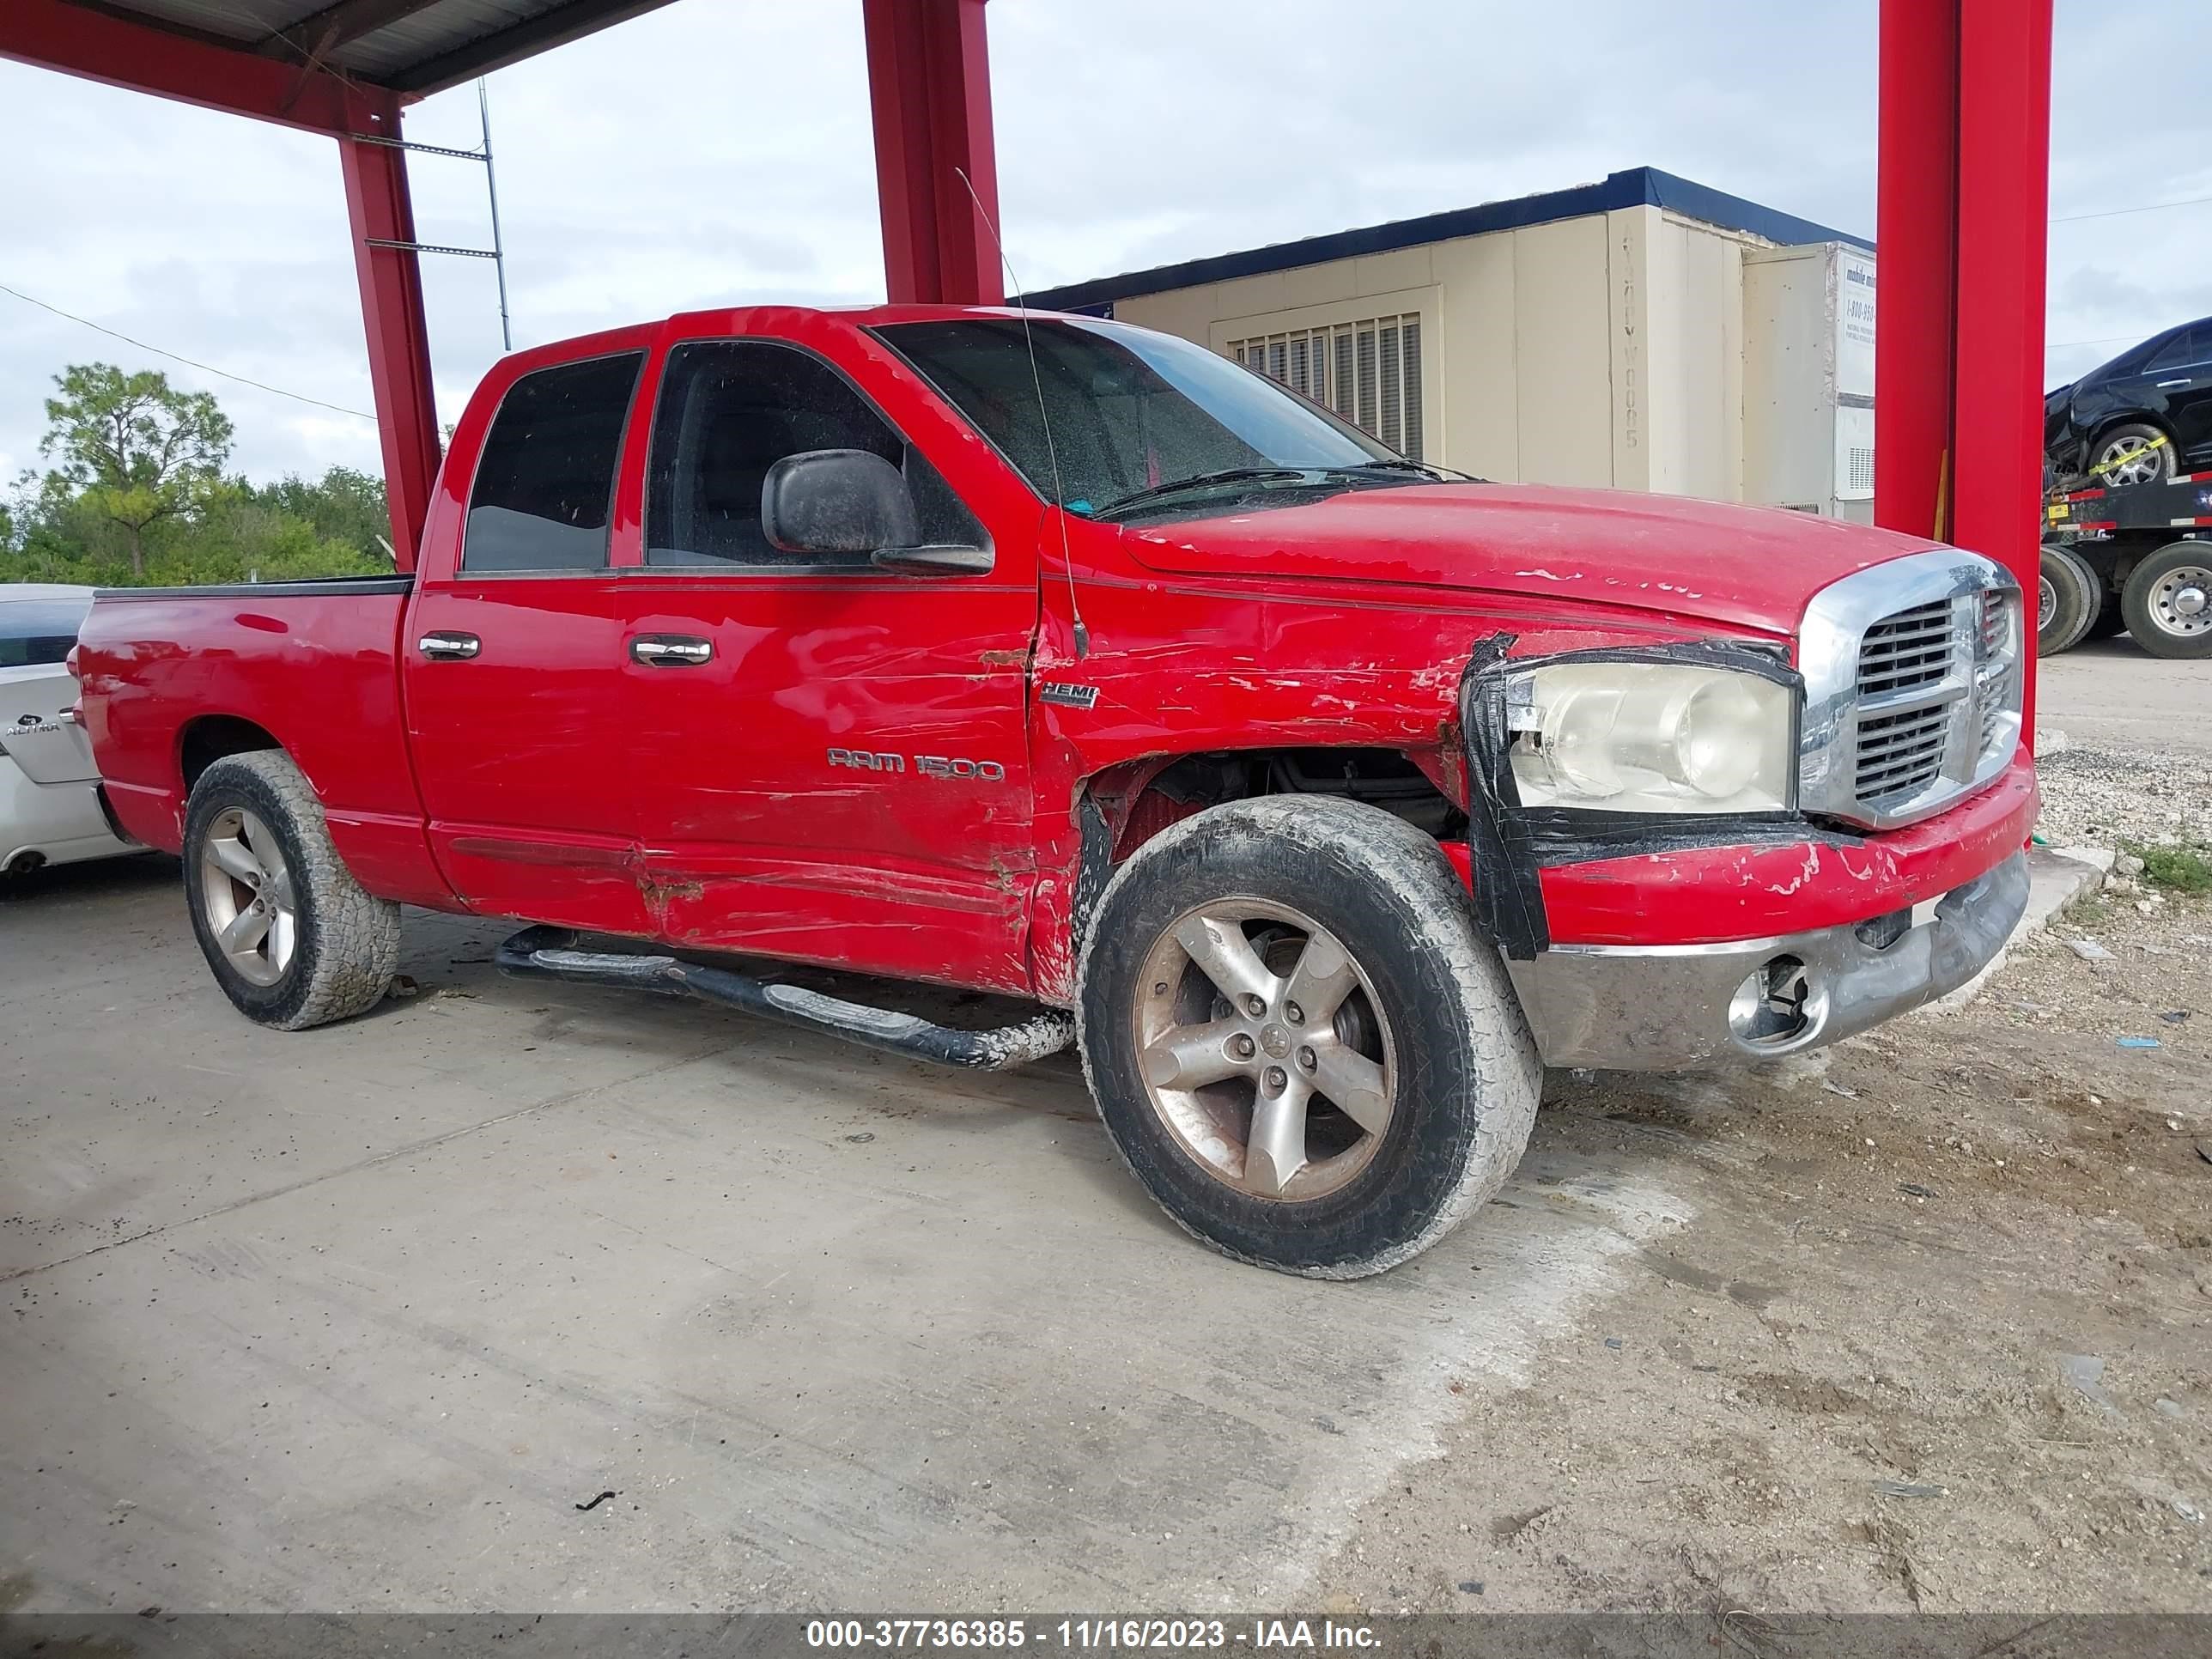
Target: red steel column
{"type": "Point", "coordinates": [929, 88]}
{"type": "Point", "coordinates": [2004, 170]}
{"type": "Point", "coordinates": [379, 207]}
{"type": "Point", "coordinates": [1916, 226]}
{"type": "Point", "coordinates": [1964, 189]}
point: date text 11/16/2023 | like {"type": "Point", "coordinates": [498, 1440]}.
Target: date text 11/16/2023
{"type": "Point", "coordinates": [1085, 1635]}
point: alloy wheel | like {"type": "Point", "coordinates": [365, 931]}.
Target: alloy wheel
{"type": "Point", "coordinates": [1264, 1048]}
{"type": "Point", "coordinates": [246, 896]}
{"type": "Point", "coordinates": [2130, 461]}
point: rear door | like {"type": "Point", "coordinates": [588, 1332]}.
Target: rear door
{"type": "Point", "coordinates": [512, 662]}
{"type": "Point", "coordinates": [835, 767]}
{"type": "Point", "coordinates": [36, 690]}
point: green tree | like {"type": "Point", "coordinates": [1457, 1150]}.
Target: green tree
{"type": "Point", "coordinates": [139, 451]}
{"type": "Point", "coordinates": [344, 505]}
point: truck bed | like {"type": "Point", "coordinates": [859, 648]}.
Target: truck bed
{"type": "Point", "coordinates": [176, 678]}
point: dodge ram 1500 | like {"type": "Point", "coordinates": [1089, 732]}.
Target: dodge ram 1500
{"type": "Point", "coordinates": [1319, 796]}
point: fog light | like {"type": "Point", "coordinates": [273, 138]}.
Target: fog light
{"type": "Point", "coordinates": [1769, 1008]}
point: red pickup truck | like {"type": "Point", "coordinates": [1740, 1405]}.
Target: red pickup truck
{"type": "Point", "coordinates": [1320, 796]}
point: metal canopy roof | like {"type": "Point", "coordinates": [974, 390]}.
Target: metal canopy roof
{"type": "Point", "coordinates": [416, 46]}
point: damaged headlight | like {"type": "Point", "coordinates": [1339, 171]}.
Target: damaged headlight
{"type": "Point", "coordinates": [1641, 737]}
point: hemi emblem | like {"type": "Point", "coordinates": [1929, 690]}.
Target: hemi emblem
{"type": "Point", "coordinates": [1067, 696]}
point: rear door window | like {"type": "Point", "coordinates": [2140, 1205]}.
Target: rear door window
{"type": "Point", "coordinates": [34, 632]}
{"type": "Point", "coordinates": [544, 487]}
{"type": "Point", "coordinates": [2189, 346]}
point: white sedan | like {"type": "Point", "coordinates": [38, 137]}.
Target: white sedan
{"type": "Point", "coordinates": [50, 808]}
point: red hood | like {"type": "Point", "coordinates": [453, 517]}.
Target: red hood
{"type": "Point", "coordinates": [1747, 567]}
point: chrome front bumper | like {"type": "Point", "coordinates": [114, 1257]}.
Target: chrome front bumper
{"type": "Point", "coordinates": [1670, 1007]}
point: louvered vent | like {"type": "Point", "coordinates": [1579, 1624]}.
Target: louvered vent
{"type": "Point", "coordinates": [1370, 373]}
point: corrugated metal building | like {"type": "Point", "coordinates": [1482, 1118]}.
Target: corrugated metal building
{"type": "Point", "coordinates": [1639, 333]}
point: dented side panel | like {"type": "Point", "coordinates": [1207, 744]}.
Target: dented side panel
{"type": "Point", "coordinates": [1182, 665]}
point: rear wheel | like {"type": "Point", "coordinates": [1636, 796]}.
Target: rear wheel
{"type": "Point", "coordinates": [1295, 1039]}
{"type": "Point", "coordinates": [292, 939]}
{"type": "Point", "coordinates": [2168, 601]}
{"type": "Point", "coordinates": [2068, 598]}
{"type": "Point", "coordinates": [2137, 454]}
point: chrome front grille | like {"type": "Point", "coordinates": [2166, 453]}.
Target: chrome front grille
{"type": "Point", "coordinates": [1898, 754]}
{"type": "Point", "coordinates": [1908, 650]}
{"type": "Point", "coordinates": [1912, 687]}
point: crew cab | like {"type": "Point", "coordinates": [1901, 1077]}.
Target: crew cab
{"type": "Point", "coordinates": [1320, 797]}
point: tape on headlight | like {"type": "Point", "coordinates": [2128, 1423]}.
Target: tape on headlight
{"type": "Point", "coordinates": [1633, 737]}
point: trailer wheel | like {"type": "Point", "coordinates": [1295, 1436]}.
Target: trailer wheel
{"type": "Point", "coordinates": [292, 938]}
{"type": "Point", "coordinates": [2111, 620]}
{"type": "Point", "coordinates": [2168, 601]}
{"type": "Point", "coordinates": [2137, 454]}
{"type": "Point", "coordinates": [1298, 1040]}
{"type": "Point", "coordinates": [2068, 597]}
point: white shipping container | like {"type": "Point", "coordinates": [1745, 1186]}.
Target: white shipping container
{"type": "Point", "coordinates": [1809, 378]}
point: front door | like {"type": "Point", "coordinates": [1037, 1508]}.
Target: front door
{"type": "Point", "coordinates": [2182, 375]}
{"type": "Point", "coordinates": [511, 665]}
{"type": "Point", "coordinates": [835, 754]}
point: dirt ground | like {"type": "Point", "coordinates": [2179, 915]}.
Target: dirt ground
{"type": "Point", "coordinates": [1940, 1336]}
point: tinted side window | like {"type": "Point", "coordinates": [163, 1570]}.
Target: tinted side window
{"type": "Point", "coordinates": [38, 630]}
{"type": "Point", "coordinates": [729, 410]}
{"type": "Point", "coordinates": [544, 488]}
{"type": "Point", "coordinates": [2184, 348]}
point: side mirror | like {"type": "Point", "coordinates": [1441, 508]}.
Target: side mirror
{"type": "Point", "coordinates": [837, 500]}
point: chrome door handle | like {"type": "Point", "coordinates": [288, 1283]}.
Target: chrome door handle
{"type": "Point", "coordinates": [447, 647]}
{"type": "Point", "coordinates": [671, 650]}
{"type": "Point", "coordinates": [2186, 379]}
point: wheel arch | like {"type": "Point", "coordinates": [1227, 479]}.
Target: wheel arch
{"type": "Point", "coordinates": [207, 738]}
{"type": "Point", "coordinates": [1136, 799]}
{"type": "Point", "coordinates": [1121, 807]}
{"type": "Point", "coordinates": [2111, 423]}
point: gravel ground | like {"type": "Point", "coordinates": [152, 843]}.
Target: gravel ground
{"type": "Point", "coordinates": [2102, 797]}
{"type": "Point", "coordinates": [1938, 1336]}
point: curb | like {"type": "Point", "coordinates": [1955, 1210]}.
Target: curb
{"type": "Point", "coordinates": [2057, 877]}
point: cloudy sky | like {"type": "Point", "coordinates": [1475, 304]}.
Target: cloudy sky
{"type": "Point", "coordinates": [718, 152]}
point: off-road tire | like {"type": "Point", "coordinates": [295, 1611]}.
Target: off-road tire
{"type": "Point", "coordinates": [348, 944]}
{"type": "Point", "coordinates": [2077, 596]}
{"type": "Point", "coordinates": [2149, 622]}
{"type": "Point", "coordinates": [1467, 1073]}
{"type": "Point", "coordinates": [2163, 455]}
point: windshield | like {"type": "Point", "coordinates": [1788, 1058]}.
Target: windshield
{"type": "Point", "coordinates": [1130, 411]}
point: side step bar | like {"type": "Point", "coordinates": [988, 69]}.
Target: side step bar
{"type": "Point", "coordinates": [551, 953]}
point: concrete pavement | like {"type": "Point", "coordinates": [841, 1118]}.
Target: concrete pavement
{"type": "Point", "coordinates": [358, 1318]}
{"type": "Point", "coordinates": [2113, 693]}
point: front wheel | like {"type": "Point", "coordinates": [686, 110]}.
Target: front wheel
{"type": "Point", "coordinates": [2137, 454]}
{"type": "Point", "coordinates": [292, 938]}
{"type": "Point", "coordinates": [2168, 601]}
{"type": "Point", "coordinates": [1296, 1038]}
